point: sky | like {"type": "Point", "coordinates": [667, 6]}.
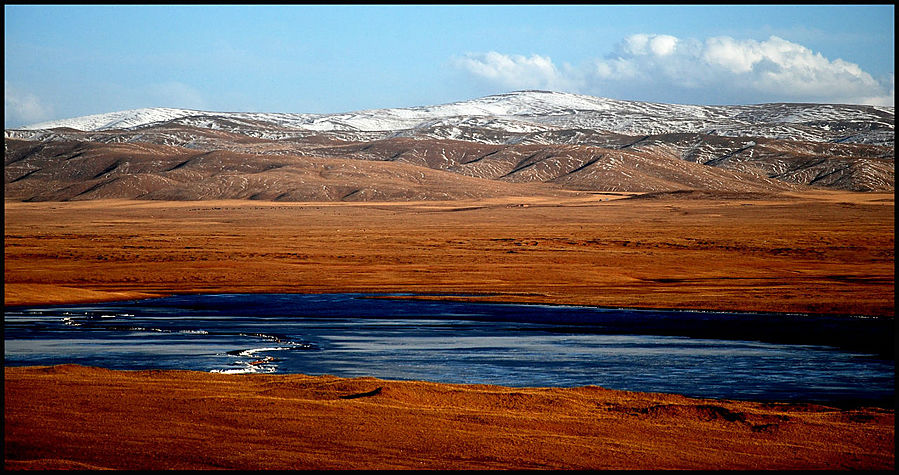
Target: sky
{"type": "Point", "coordinates": [67, 61]}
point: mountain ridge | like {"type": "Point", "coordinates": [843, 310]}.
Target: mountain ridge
{"type": "Point", "coordinates": [549, 142]}
{"type": "Point", "coordinates": [531, 111]}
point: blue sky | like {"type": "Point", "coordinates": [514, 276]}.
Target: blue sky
{"type": "Point", "coordinates": [67, 61]}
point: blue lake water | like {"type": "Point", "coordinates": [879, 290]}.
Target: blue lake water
{"type": "Point", "coordinates": [765, 357]}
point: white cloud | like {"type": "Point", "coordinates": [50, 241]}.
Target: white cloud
{"type": "Point", "coordinates": [887, 99]}
{"type": "Point", "coordinates": [736, 57]}
{"type": "Point", "coordinates": [662, 45]}
{"type": "Point", "coordinates": [22, 107]}
{"type": "Point", "coordinates": [715, 70]}
{"type": "Point", "coordinates": [516, 71]}
{"type": "Point", "coordinates": [643, 44]}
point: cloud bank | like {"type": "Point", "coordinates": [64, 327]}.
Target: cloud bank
{"type": "Point", "coordinates": [718, 70]}
{"type": "Point", "coordinates": [22, 107]}
{"type": "Point", "coordinates": [518, 72]}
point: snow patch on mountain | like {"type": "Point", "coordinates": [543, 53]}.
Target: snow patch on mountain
{"type": "Point", "coordinates": [528, 112]}
{"type": "Point", "coordinates": [117, 120]}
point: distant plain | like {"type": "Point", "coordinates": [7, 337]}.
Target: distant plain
{"type": "Point", "coordinates": [821, 252]}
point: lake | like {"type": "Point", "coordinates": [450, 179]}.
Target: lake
{"type": "Point", "coordinates": [832, 360]}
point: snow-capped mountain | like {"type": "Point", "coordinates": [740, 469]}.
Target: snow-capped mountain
{"type": "Point", "coordinates": [507, 117]}
{"type": "Point", "coordinates": [486, 146]}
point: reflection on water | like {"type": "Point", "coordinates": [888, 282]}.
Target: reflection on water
{"type": "Point", "coordinates": [719, 355]}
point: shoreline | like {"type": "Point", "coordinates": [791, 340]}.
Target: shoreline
{"type": "Point", "coordinates": [105, 297]}
{"type": "Point", "coordinates": [843, 405]}
{"type": "Point", "coordinates": [32, 295]}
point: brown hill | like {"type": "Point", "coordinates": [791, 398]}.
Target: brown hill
{"type": "Point", "coordinates": [321, 170]}
{"type": "Point", "coordinates": [71, 170]}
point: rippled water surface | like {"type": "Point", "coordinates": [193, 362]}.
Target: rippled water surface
{"type": "Point", "coordinates": [703, 354]}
